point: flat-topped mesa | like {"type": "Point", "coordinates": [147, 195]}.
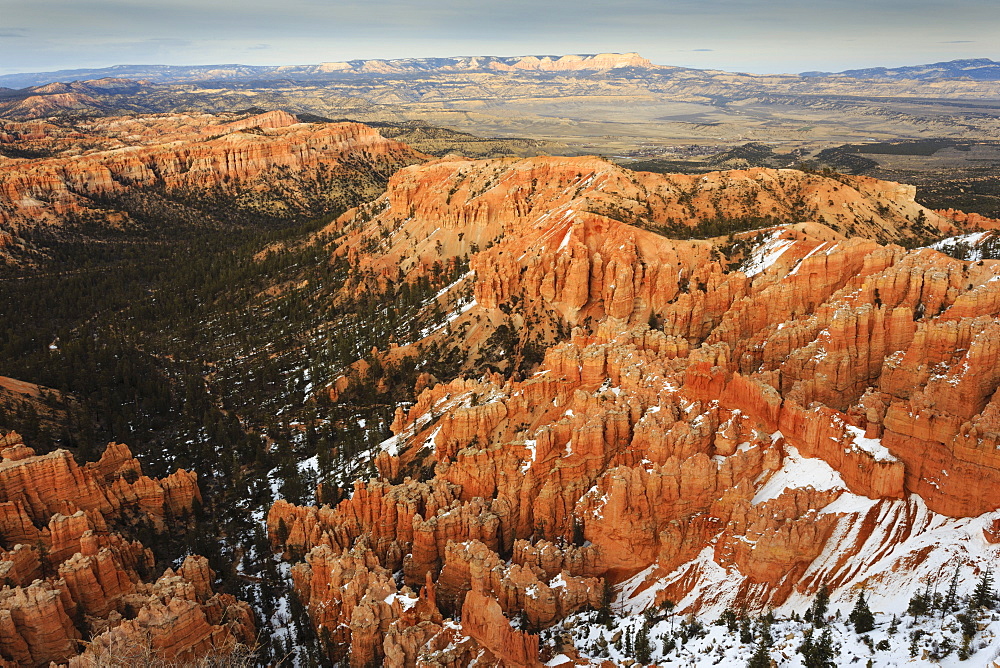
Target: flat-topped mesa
{"type": "Point", "coordinates": [193, 154]}
{"type": "Point", "coordinates": [567, 63]}
{"type": "Point", "coordinates": [93, 576]}
{"type": "Point", "coordinates": [970, 219]}
{"type": "Point", "coordinates": [600, 61]}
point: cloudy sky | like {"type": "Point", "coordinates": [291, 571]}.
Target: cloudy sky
{"type": "Point", "coordinates": [746, 35]}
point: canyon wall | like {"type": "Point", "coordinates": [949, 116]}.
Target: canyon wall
{"type": "Point", "coordinates": [269, 162]}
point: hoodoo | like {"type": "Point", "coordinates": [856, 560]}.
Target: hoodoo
{"type": "Point", "coordinates": [74, 584]}
{"type": "Point", "coordinates": [754, 401]}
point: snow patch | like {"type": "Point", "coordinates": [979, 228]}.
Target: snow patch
{"type": "Point", "coordinates": [799, 471]}
{"type": "Point", "coordinates": [871, 446]}
{"type": "Point", "coordinates": [764, 256]}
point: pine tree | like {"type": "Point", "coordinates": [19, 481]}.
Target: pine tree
{"type": "Point", "coordinates": [281, 535]}
{"type": "Point", "coordinates": [761, 657]}
{"type": "Point", "coordinates": [982, 596]}
{"type": "Point", "coordinates": [820, 606]}
{"type": "Point", "coordinates": [951, 598]}
{"type": "Point", "coordinates": [806, 649]}
{"type": "Point", "coordinates": [643, 648]}
{"type": "Point", "coordinates": [920, 603]}
{"type": "Point", "coordinates": [861, 616]}
{"type": "Point", "coordinates": [825, 651]}
{"type": "Point", "coordinates": [965, 651]}
{"type": "Point", "coordinates": [728, 618]}
{"type": "Point", "coordinates": [604, 612]}
{"type": "Point", "coordinates": [764, 636]}
{"type": "Point", "coordinates": [969, 629]}
{"type": "Point", "coordinates": [817, 653]}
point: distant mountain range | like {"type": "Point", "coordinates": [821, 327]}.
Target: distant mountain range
{"type": "Point", "coordinates": [980, 69]}
{"type": "Point", "coordinates": [193, 73]}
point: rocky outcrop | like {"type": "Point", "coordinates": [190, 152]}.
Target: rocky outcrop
{"type": "Point", "coordinates": [483, 621]}
{"type": "Point", "coordinates": [971, 219]}
{"type": "Point", "coordinates": [75, 579]}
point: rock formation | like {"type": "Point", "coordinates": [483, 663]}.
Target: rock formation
{"type": "Point", "coordinates": [732, 421]}
{"type": "Point", "coordinates": [76, 580]}
{"type": "Point", "coordinates": [244, 158]}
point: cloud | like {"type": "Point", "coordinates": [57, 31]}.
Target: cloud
{"type": "Point", "coordinates": [959, 41]}
{"type": "Point", "coordinates": [703, 49]}
{"type": "Point", "coordinates": [258, 47]}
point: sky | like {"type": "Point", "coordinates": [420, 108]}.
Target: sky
{"type": "Point", "coordinates": [736, 35]}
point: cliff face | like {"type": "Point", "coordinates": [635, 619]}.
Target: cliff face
{"type": "Point", "coordinates": [245, 159]}
{"type": "Point", "coordinates": [731, 421]}
{"type": "Point", "coordinates": [75, 579]}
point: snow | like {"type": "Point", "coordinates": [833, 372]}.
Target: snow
{"type": "Point", "coordinates": [637, 602]}
{"type": "Point", "coordinates": [404, 601]}
{"type": "Point", "coordinates": [451, 317]}
{"type": "Point", "coordinates": [391, 445]}
{"type": "Point", "coordinates": [970, 241]}
{"type": "Point", "coordinates": [443, 291]}
{"type": "Point", "coordinates": [713, 644]}
{"type": "Point", "coordinates": [800, 262]}
{"type": "Point", "coordinates": [764, 256]}
{"type": "Point", "coordinates": [530, 445]}
{"type": "Point", "coordinates": [798, 471]}
{"type": "Point", "coordinates": [872, 446]}
{"type": "Point", "coordinates": [431, 441]}
{"type": "Point", "coordinates": [565, 241]}
{"type": "Point", "coordinates": [309, 464]}
{"type": "Point", "coordinates": [848, 503]}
